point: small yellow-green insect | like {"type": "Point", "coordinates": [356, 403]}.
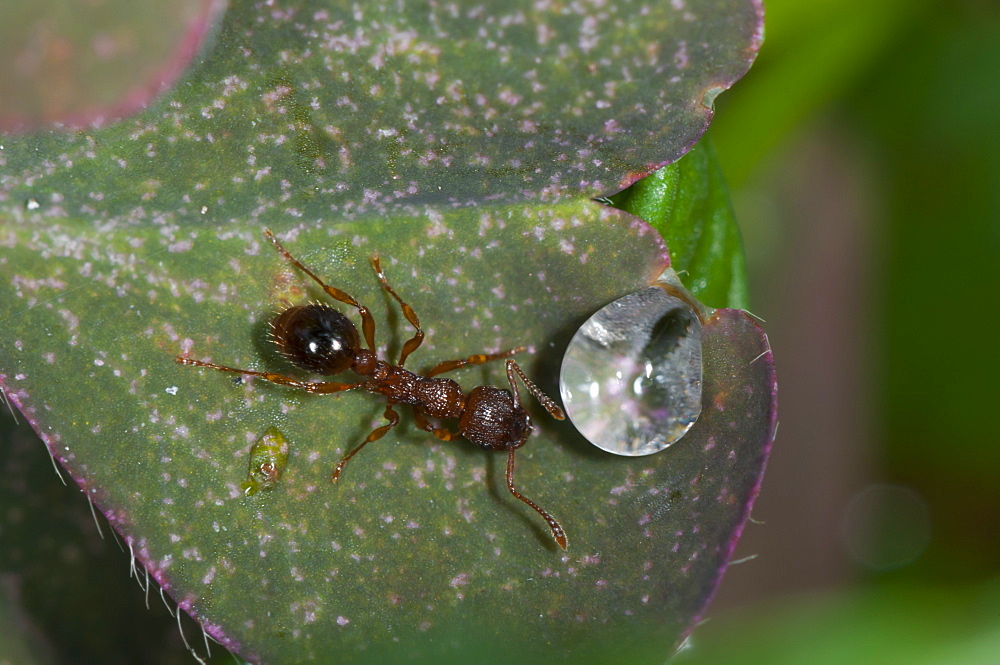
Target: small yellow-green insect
{"type": "Point", "coordinates": [268, 457]}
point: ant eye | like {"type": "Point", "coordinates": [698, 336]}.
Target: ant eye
{"type": "Point", "coordinates": [316, 338]}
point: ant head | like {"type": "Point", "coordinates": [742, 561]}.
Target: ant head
{"type": "Point", "coordinates": [493, 421]}
{"type": "Point", "coordinates": [316, 338]}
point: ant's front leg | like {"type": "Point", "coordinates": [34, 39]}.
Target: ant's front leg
{"type": "Point", "coordinates": [477, 359]}
{"type": "Point", "coordinates": [318, 387]}
{"type": "Point", "coordinates": [414, 342]}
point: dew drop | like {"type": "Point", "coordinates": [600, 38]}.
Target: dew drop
{"type": "Point", "coordinates": [631, 376]}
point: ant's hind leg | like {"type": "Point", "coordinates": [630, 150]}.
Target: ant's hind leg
{"type": "Point", "coordinates": [477, 359]}
{"type": "Point", "coordinates": [442, 433]}
{"type": "Point", "coordinates": [390, 415]}
{"type": "Point", "coordinates": [367, 322]}
{"type": "Point", "coordinates": [414, 342]}
{"type": "Point", "coordinates": [318, 388]}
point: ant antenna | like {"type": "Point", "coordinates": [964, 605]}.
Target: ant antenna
{"type": "Point", "coordinates": [557, 531]}
{"type": "Point", "coordinates": [545, 400]}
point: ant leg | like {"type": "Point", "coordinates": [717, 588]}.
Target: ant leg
{"type": "Point", "coordinates": [477, 359]}
{"type": "Point", "coordinates": [442, 433]}
{"type": "Point", "coordinates": [367, 322]}
{"type": "Point", "coordinates": [557, 531]}
{"type": "Point", "coordinates": [318, 388]}
{"type": "Point", "coordinates": [414, 342]}
{"type": "Point", "coordinates": [546, 401]}
{"type": "Point", "coordinates": [376, 434]}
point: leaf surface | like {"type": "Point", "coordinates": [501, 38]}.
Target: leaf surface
{"type": "Point", "coordinates": [328, 112]}
{"type": "Point", "coordinates": [346, 134]}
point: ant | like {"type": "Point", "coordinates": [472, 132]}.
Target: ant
{"type": "Point", "coordinates": [319, 338]}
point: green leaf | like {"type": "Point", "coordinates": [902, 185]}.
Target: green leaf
{"type": "Point", "coordinates": [411, 524]}
{"type": "Point", "coordinates": [321, 111]}
{"type": "Point", "coordinates": [127, 246]}
{"type": "Point", "coordinates": [923, 624]}
{"type": "Point", "coordinates": [688, 203]}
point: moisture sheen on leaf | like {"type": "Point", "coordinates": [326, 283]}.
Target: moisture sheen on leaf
{"type": "Point", "coordinates": [329, 109]}
{"type": "Point", "coordinates": [419, 550]}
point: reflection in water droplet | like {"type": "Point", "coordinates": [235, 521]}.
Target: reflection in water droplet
{"type": "Point", "coordinates": [631, 376]}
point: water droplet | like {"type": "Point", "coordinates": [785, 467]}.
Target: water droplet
{"type": "Point", "coordinates": [631, 376]}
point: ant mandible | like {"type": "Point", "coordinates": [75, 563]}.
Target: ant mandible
{"type": "Point", "coordinates": [320, 339]}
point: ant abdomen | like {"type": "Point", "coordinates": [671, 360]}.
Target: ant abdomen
{"type": "Point", "coordinates": [316, 338]}
{"type": "Point", "coordinates": [493, 421]}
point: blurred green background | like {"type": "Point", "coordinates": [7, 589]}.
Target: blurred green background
{"type": "Point", "coordinates": [863, 152]}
